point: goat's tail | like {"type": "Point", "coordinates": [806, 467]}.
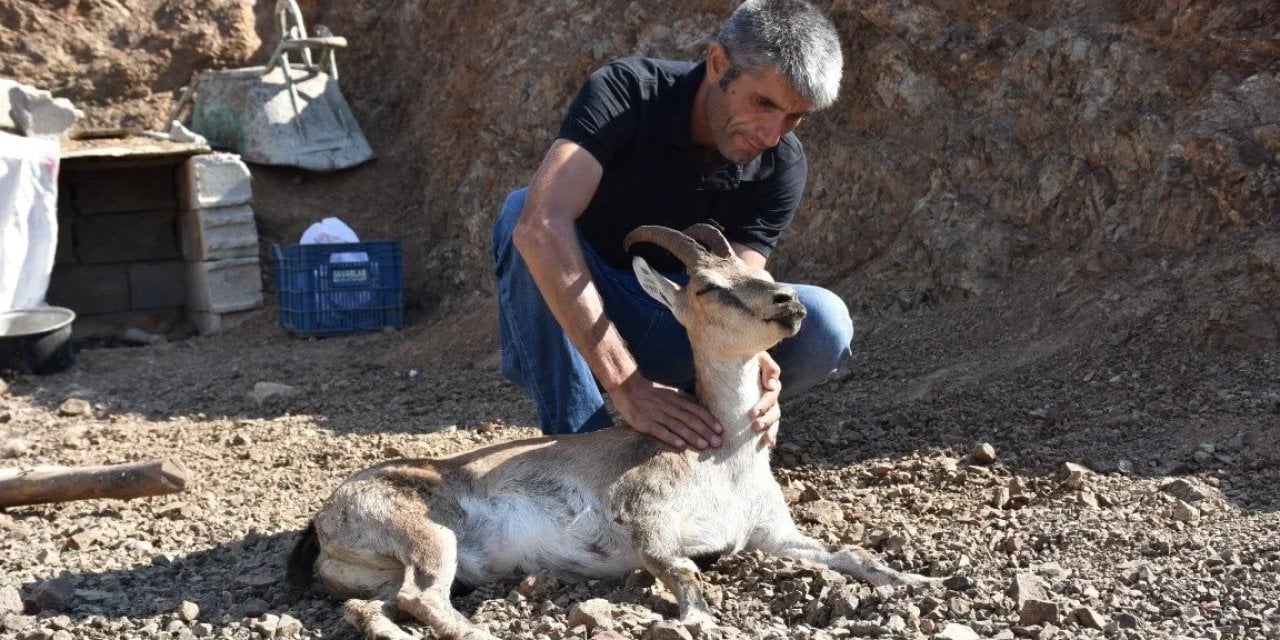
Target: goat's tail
{"type": "Point", "coordinates": [302, 561]}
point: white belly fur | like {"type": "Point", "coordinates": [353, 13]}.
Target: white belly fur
{"type": "Point", "coordinates": [515, 534]}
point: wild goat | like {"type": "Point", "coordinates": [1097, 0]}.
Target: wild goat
{"type": "Point", "coordinates": [589, 505]}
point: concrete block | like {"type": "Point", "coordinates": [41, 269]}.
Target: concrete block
{"type": "Point", "coordinates": [85, 191]}
{"type": "Point", "coordinates": [157, 285]}
{"type": "Point", "coordinates": [66, 250]}
{"type": "Point", "coordinates": [215, 180]}
{"type": "Point", "coordinates": [6, 105]}
{"type": "Point", "coordinates": [215, 234]}
{"type": "Point", "coordinates": [35, 113]}
{"type": "Point", "coordinates": [127, 237]}
{"type": "Point", "coordinates": [90, 288]}
{"type": "Point", "coordinates": [207, 322]}
{"type": "Point", "coordinates": [220, 286]}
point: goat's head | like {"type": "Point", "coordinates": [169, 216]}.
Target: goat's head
{"type": "Point", "coordinates": [727, 305]}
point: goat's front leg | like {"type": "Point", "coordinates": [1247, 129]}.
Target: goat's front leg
{"type": "Point", "coordinates": [783, 539]}
{"type": "Point", "coordinates": [660, 551]}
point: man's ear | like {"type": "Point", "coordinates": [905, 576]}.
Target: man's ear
{"type": "Point", "coordinates": [717, 62]}
{"type": "Point", "coordinates": [655, 284]}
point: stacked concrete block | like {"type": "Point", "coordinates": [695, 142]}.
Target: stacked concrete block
{"type": "Point", "coordinates": [33, 112]}
{"type": "Point", "coordinates": [218, 234]}
{"type": "Point", "coordinates": [221, 286]}
{"type": "Point", "coordinates": [118, 252]}
{"type": "Point", "coordinates": [6, 104]}
{"type": "Point", "coordinates": [157, 285]}
{"type": "Point", "coordinates": [90, 288]}
{"type": "Point", "coordinates": [108, 189]}
{"type": "Point", "coordinates": [127, 237]}
{"type": "Point", "coordinates": [219, 241]}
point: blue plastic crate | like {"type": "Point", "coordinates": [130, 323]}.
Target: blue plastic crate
{"type": "Point", "coordinates": [339, 289]}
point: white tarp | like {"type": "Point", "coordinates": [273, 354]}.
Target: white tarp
{"type": "Point", "coordinates": [28, 219]}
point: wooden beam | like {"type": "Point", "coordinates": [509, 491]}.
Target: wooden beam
{"type": "Point", "coordinates": [119, 481]}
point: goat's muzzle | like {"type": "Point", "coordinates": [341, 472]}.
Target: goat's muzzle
{"type": "Point", "coordinates": [789, 315]}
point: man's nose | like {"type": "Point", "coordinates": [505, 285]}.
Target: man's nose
{"type": "Point", "coordinates": [771, 130]}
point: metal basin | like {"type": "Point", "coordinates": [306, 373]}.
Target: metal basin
{"type": "Point", "coordinates": [36, 340]}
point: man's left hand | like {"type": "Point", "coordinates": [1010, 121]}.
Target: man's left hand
{"type": "Point", "coordinates": [765, 415]}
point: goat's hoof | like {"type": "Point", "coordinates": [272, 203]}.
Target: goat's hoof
{"type": "Point", "coordinates": [912, 580]}
{"type": "Point", "coordinates": [915, 579]}
{"type": "Point", "coordinates": [696, 621]}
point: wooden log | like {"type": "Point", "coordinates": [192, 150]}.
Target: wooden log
{"type": "Point", "coordinates": [120, 481]}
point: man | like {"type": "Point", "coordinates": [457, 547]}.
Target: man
{"type": "Point", "coordinates": [670, 143]}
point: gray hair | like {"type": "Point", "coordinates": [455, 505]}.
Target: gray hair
{"type": "Point", "coordinates": [791, 35]}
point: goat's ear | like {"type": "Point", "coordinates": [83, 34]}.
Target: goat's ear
{"type": "Point", "coordinates": [655, 284]}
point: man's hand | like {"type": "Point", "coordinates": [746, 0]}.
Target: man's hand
{"type": "Point", "coordinates": [666, 413]}
{"type": "Point", "coordinates": [765, 415]}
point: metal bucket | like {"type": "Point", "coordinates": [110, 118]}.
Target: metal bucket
{"type": "Point", "coordinates": [36, 340]}
{"type": "Point", "coordinates": [268, 116]}
{"type": "Point", "coordinates": [283, 113]}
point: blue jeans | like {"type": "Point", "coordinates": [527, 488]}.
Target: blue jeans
{"type": "Point", "coordinates": [538, 356]}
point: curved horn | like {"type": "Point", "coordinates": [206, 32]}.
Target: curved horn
{"type": "Point", "coordinates": [711, 238]}
{"type": "Point", "coordinates": [684, 248]}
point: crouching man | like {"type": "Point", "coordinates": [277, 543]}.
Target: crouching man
{"type": "Point", "coordinates": [668, 143]}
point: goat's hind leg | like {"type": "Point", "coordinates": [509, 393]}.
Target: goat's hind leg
{"type": "Point", "coordinates": [431, 564]}
{"type": "Point", "coordinates": [682, 578]}
{"type": "Point", "coordinates": [661, 556]}
{"type": "Point", "coordinates": [368, 586]}
{"type": "Point", "coordinates": [373, 618]}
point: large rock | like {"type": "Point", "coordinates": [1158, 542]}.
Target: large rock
{"type": "Point", "coordinates": [10, 600]}
{"type": "Point", "coordinates": [1184, 490]}
{"type": "Point", "coordinates": [954, 631]}
{"type": "Point", "coordinates": [821, 511]}
{"type": "Point", "coordinates": [667, 630]}
{"type": "Point", "coordinates": [34, 112]}
{"type": "Point", "coordinates": [53, 596]}
{"type": "Point", "coordinates": [264, 392]}
{"type": "Point", "coordinates": [596, 612]}
{"type": "Point", "coordinates": [1038, 612]}
{"type": "Point", "coordinates": [1090, 618]}
{"type": "Point", "coordinates": [1027, 587]}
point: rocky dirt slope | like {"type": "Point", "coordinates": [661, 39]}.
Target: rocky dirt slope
{"type": "Point", "coordinates": [973, 141]}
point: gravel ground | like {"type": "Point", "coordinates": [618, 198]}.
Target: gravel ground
{"type": "Point", "coordinates": [1100, 480]}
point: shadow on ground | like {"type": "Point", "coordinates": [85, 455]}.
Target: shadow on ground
{"type": "Point", "coordinates": [238, 584]}
{"type": "Point", "coordinates": [247, 575]}
{"type": "Point", "coordinates": [1114, 390]}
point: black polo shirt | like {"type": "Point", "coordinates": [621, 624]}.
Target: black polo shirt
{"type": "Point", "coordinates": [633, 115]}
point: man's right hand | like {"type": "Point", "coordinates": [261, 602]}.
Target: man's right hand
{"type": "Point", "coordinates": [666, 413]}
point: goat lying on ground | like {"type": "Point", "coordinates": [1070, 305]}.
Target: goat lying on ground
{"type": "Point", "coordinates": [590, 505]}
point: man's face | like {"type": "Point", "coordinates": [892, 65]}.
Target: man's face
{"type": "Point", "coordinates": [752, 112]}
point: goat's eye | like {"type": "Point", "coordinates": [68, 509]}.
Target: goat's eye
{"type": "Point", "coordinates": [708, 288]}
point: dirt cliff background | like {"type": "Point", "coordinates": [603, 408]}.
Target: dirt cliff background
{"type": "Point", "coordinates": [1056, 223]}
{"type": "Point", "coordinates": [1119, 153]}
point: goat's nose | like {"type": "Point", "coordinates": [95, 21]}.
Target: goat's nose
{"type": "Point", "coordinates": [784, 296]}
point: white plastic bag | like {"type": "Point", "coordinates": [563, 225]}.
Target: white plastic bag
{"type": "Point", "coordinates": [334, 231]}
{"type": "Point", "coordinates": [28, 219]}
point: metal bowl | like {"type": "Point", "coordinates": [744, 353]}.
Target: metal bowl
{"type": "Point", "coordinates": [36, 340]}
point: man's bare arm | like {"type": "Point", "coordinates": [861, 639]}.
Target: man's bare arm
{"type": "Point", "coordinates": [748, 255]}
{"type": "Point", "coordinates": [546, 238]}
